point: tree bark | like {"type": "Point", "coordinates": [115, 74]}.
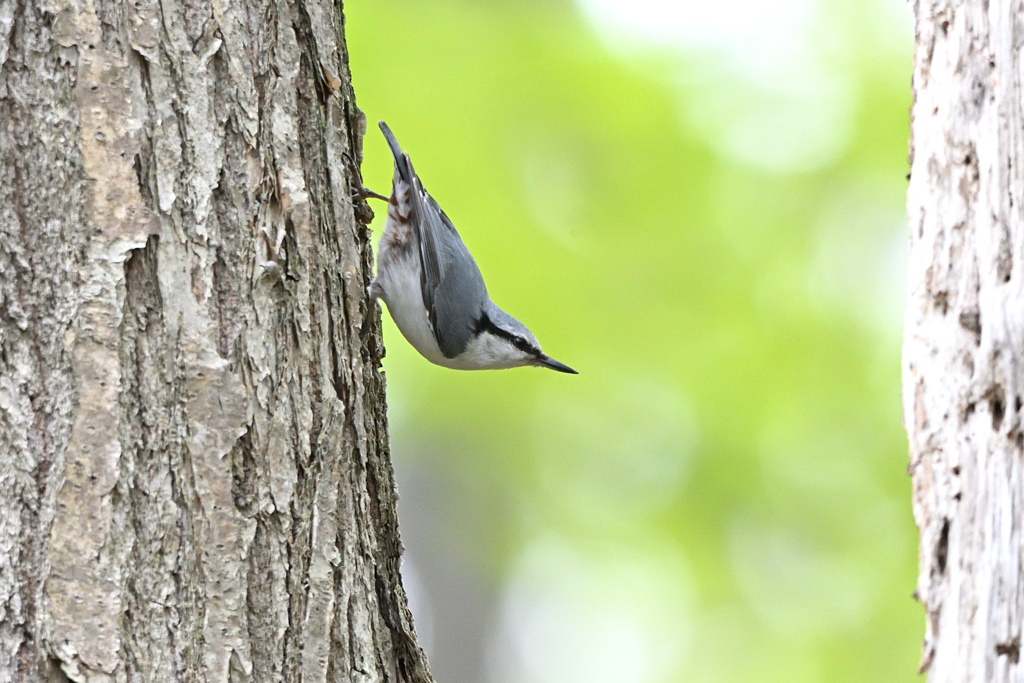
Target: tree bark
{"type": "Point", "coordinates": [964, 347]}
{"type": "Point", "coordinates": [194, 472]}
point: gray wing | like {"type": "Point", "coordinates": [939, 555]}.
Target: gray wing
{"type": "Point", "coordinates": [453, 289]}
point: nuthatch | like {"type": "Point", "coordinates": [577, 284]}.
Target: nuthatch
{"type": "Point", "coordinates": [434, 290]}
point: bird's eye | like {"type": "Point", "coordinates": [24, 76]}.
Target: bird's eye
{"type": "Point", "coordinates": [520, 341]}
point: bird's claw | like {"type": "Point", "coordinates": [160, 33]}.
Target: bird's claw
{"type": "Point", "coordinates": [365, 193]}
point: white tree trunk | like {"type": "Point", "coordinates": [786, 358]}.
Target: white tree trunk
{"type": "Point", "coordinates": [194, 474]}
{"type": "Point", "coordinates": [963, 366]}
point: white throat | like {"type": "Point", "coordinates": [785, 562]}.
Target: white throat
{"type": "Point", "coordinates": [404, 298]}
{"type": "Point", "coordinates": [489, 352]}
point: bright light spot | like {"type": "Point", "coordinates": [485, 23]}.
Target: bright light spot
{"type": "Point", "coordinates": [803, 571]}
{"type": "Point", "coordinates": [775, 89]}
{"type": "Point", "coordinates": [618, 450]}
{"type": "Point", "coordinates": [812, 465]}
{"type": "Point", "coordinates": [795, 587]}
{"type": "Point", "coordinates": [744, 28]}
{"type": "Point", "coordinates": [794, 125]}
{"type": "Point", "coordinates": [728, 645]}
{"type": "Point", "coordinates": [569, 616]}
{"type": "Point", "coordinates": [554, 192]}
{"type": "Point", "coordinates": [893, 25]}
{"type": "Point", "coordinates": [860, 265]}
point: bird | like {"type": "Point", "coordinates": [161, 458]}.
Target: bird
{"type": "Point", "coordinates": [433, 287]}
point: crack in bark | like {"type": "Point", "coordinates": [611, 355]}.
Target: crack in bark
{"type": "Point", "coordinates": [1010, 650]}
{"type": "Point", "coordinates": [942, 548]}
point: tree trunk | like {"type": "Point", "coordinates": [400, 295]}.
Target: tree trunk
{"type": "Point", "coordinates": [964, 350]}
{"type": "Point", "coordinates": [194, 472]}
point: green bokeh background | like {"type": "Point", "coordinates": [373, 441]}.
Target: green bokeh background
{"type": "Point", "coordinates": [721, 494]}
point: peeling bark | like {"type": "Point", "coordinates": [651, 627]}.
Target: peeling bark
{"type": "Point", "coordinates": [194, 473]}
{"type": "Point", "coordinates": [963, 369]}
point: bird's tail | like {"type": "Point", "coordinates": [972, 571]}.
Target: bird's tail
{"type": "Point", "coordinates": [401, 160]}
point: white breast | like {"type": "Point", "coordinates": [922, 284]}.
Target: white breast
{"type": "Point", "coordinates": [398, 274]}
{"type": "Point", "coordinates": [400, 280]}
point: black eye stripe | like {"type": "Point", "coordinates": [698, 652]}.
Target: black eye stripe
{"type": "Point", "coordinates": [484, 324]}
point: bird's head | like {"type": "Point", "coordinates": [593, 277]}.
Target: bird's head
{"type": "Point", "coordinates": [501, 341]}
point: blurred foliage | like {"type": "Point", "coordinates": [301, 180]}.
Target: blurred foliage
{"type": "Point", "coordinates": [721, 494]}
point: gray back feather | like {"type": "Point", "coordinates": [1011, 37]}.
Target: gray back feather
{"type": "Point", "coordinates": [456, 295]}
{"type": "Point", "coordinates": [452, 287]}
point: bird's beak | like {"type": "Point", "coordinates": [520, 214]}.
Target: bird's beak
{"type": "Point", "coordinates": [546, 362]}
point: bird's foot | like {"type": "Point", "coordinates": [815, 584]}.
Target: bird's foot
{"type": "Point", "coordinates": [373, 293]}
{"type": "Point", "coordinates": [365, 193]}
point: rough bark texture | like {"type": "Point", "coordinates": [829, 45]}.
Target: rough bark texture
{"type": "Point", "coordinates": [194, 474]}
{"type": "Point", "coordinates": [964, 349]}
